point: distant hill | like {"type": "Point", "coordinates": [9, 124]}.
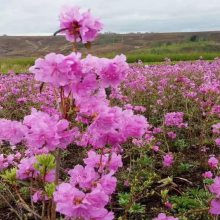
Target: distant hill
{"type": "Point", "coordinates": [108, 44]}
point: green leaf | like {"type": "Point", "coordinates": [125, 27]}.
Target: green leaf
{"type": "Point", "coordinates": [10, 175]}
{"type": "Point", "coordinates": [137, 208]}
{"type": "Point", "coordinates": [208, 181]}
{"type": "Point", "coordinates": [164, 194]}
{"type": "Point", "coordinates": [50, 189]}
{"type": "Point", "coordinates": [124, 199]}
{"type": "Point", "coordinates": [45, 163]}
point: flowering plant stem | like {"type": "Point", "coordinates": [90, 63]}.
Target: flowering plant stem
{"type": "Point", "coordinates": [58, 160]}
{"type": "Point", "coordinates": [63, 109]}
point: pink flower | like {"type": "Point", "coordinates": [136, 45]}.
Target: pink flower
{"type": "Point", "coordinates": [18, 156]}
{"type": "Point", "coordinates": [139, 108]}
{"type": "Point", "coordinates": [85, 85]}
{"type": "Point", "coordinates": [157, 130]}
{"type": "Point", "coordinates": [57, 69]}
{"type": "Point", "coordinates": [84, 176]}
{"type": "Point", "coordinates": [79, 26]}
{"type": "Point", "coordinates": [168, 205]}
{"type": "Point", "coordinates": [115, 162]}
{"type": "Point", "coordinates": [107, 184]}
{"type": "Point", "coordinates": [3, 162]}
{"type": "Point", "coordinates": [12, 131]}
{"type": "Point", "coordinates": [95, 160]}
{"type": "Point", "coordinates": [168, 160]}
{"type": "Point", "coordinates": [38, 196]}
{"type": "Point", "coordinates": [171, 135]}
{"type": "Point", "coordinates": [216, 128]}
{"type": "Point", "coordinates": [50, 176]}
{"type": "Point", "coordinates": [155, 148]}
{"type": "Point", "coordinates": [163, 216]}
{"type": "Point", "coordinates": [215, 187]}
{"type": "Point", "coordinates": [215, 207]}
{"type": "Point", "coordinates": [175, 119]}
{"type": "Point", "coordinates": [22, 100]}
{"type": "Point", "coordinates": [10, 158]}
{"type": "Point", "coordinates": [106, 216]}
{"type": "Point", "coordinates": [138, 142]}
{"type": "Point", "coordinates": [112, 162]}
{"type": "Point", "coordinates": [47, 132]}
{"type": "Point", "coordinates": [216, 110]}
{"type": "Point", "coordinates": [70, 201]}
{"type": "Point", "coordinates": [217, 142]}
{"type": "Point", "coordinates": [26, 168]}
{"type": "Point", "coordinates": [15, 91]}
{"type": "Point", "coordinates": [76, 204]}
{"type": "Point", "coordinates": [113, 71]}
{"type": "Point", "coordinates": [213, 162]}
{"type": "Point", "coordinates": [207, 175]}
{"type": "Point", "coordinates": [114, 126]}
{"type": "Point", "coordinates": [92, 105]}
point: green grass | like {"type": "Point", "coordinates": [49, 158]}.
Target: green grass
{"type": "Point", "coordinates": [155, 53]}
{"type": "Point", "coordinates": [18, 65]}
{"type": "Point", "coordinates": [181, 51]}
{"type": "Point", "coordinates": [201, 46]}
{"type": "Point", "coordinates": [149, 58]}
{"type": "Point", "coordinates": [22, 64]}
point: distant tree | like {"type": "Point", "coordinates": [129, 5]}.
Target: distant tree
{"type": "Point", "coordinates": [194, 38]}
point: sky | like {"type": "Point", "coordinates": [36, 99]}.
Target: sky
{"type": "Point", "coordinates": [40, 17]}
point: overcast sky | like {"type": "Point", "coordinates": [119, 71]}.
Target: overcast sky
{"type": "Point", "coordinates": [34, 17]}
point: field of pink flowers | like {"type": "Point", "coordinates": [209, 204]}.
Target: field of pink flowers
{"type": "Point", "coordinates": [96, 139]}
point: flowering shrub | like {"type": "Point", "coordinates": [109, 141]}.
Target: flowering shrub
{"type": "Point", "coordinates": [175, 119]}
{"type": "Point", "coordinates": [93, 138]}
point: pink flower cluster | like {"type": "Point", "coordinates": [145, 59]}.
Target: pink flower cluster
{"type": "Point", "coordinates": [83, 76]}
{"type": "Point", "coordinates": [113, 71]}
{"type": "Point", "coordinates": [41, 132]}
{"type": "Point", "coordinates": [26, 170]}
{"type": "Point", "coordinates": [12, 131]}
{"type": "Point", "coordinates": [216, 131]}
{"type": "Point", "coordinates": [85, 87]}
{"type": "Point", "coordinates": [216, 110]}
{"type": "Point", "coordinates": [217, 142]}
{"type": "Point", "coordinates": [213, 162]}
{"type": "Point", "coordinates": [216, 128]}
{"type": "Point", "coordinates": [175, 119]}
{"type": "Point", "coordinates": [207, 175]}
{"type": "Point", "coordinates": [85, 81]}
{"type": "Point", "coordinates": [215, 203]}
{"type": "Point", "coordinates": [215, 187]}
{"type": "Point", "coordinates": [57, 69]}
{"type": "Point", "coordinates": [168, 160]}
{"type": "Point", "coordinates": [215, 207]}
{"type": "Point", "coordinates": [46, 133]}
{"type": "Point", "coordinates": [114, 126]}
{"type": "Point", "coordinates": [24, 92]}
{"type": "Point", "coordinates": [79, 27]}
{"type": "Point", "coordinates": [89, 188]}
{"type": "Point", "coordinates": [7, 161]}
{"type": "Point", "coordinates": [3, 162]}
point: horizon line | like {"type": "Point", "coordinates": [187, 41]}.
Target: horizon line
{"type": "Point", "coordinates": [107, 32]}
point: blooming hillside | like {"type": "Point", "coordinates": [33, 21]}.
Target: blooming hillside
{"type": "Point", "coordinates": [88, 138]}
